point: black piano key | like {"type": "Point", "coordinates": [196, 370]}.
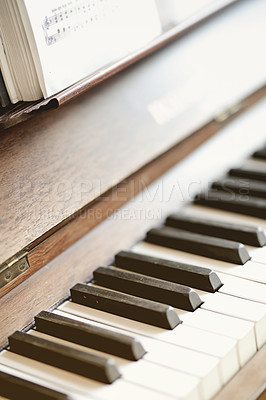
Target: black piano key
{"type": "Point", "coordinates": [206, 246]}
{"type": "Point", "coordinates": [253, 236]}
{"type": "Point", "coordinates": [252, 206]}
{"type": "Point", "coordinates": [248, 173]}
{"type": "Point", "coordinates": [91, 336]}
{"type": "Point", "coordinates": [242, 187]}
{"type": "Point", "coordinates": [69, 359]}
{"type": "Point", "coordinates": [150, 288]}
{"type": "Point", "coordinates": [125, 305]}
{"type": "Point", "coordinates": [197, 277]}
{"type": "Point", "coordinates": [14, 388]}
{"type": "Point", "coordinates": [260, 154]}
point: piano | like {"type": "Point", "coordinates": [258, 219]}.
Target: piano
{"type": "Point", "coordinates": [133, 227]}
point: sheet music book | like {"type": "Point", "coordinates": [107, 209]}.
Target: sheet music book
{"type": "Point", "coordinates": [49, 45]}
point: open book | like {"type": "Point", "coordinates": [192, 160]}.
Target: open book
{"type": "Point", "coordinates": [48, 45]}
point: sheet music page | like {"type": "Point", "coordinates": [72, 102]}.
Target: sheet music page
{"type": "Point", "coordinates": [71, 39]}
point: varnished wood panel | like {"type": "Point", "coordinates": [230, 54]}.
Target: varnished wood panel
{"type": "Point", "coordinates": [57, 164]}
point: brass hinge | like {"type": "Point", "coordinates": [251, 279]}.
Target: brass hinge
{"type": "Point", "coordinates": [13, 268]}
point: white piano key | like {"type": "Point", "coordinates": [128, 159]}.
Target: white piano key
{"type": "Point", "coordinates": [258, 255]}
{"type": "Point", "coordinates": [128, 391]}
{"type": "Point", "coordinates": [254, 164]}
{"type": "Point", "coordinates": [73, 384]}
{"type": "Point", "coordinates": [238, 308]}
{"type": "Point", "coordinates": [221, 347]}
{"type": "Point", "coordinates": [250, 271]}
{"type": "Point", "coordinates": [198, 364]}
{"type": "Point", "coordinates": [242, 331]}
{"type": "Point", "coordinates": [164, 380]}
{"type": "Point", "coordinates": [242, 288]}
{"type": "Point", "coordinates": [144, 373]}
{"type": "Point", "coordinates": [226, 216]}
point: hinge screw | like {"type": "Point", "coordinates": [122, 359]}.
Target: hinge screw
{"type": "Point", "coordinates": [22, 266]}
{"type": "Point", "coordinates": [8, 275]}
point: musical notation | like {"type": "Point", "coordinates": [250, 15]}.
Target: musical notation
{"type": "Point", "coordinates": [75, 15]}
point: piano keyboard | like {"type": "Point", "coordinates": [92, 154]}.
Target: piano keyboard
{"type": "Point", "coordinates": [176, 316]}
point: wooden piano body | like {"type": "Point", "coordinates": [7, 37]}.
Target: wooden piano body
{"type": "Point", "coordinates": [82, 182]}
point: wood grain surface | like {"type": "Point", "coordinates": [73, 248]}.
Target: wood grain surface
{"type": "Point", "coordinates": [57, 164]}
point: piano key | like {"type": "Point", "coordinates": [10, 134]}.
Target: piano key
{"type": "Point", "coordinates": [238, 308]}
{"type": "Point", "coordinates": [241, 330]}
{"type": "Point", "coordinates": [251, 271]}
{"type": "Point", "coordinates": [203, 245]}
{"type": "Point", "coordinates": [73, 384]}
{"type": "Point", "coordinates": [240, 233]}
{"type": "Point", "coordinates": [242, 187]}
{"type": "Point", "coordinates": [250, 332]}
{"type": "Point", "coordinates": [260, 154]}
{"type": "Point", "coordinates": [128, 306]}
{"type": "Point", "coordinates": [176, 295]}
{"type": "Point", "coordinates": [164, 380]}
{"type": "Point", "coordinates": [252, 206]}
{"type": "Point", "coordinates": [195, 339]}
{"type": "Point", "coordinates": [223, 215]}
{"type": "Point", "coordinates": [98, 368]}
{"type": "Point", "coordinates": [259, 255]}
{"type": "Point", "coordinates": [194, 363]}
{"type": "Point", "coordinates": [254, 164]}
{"type": "Point", "coordinates": [12, 387]}
{"type": "Point", "coordinates": [126, 390]}
{"type": "Point", "coordinates": [242, 288]}
{"type": "Point", "coordinates": [90, 336]}
{"type": "Point", "coordinates": [199, 278]}
{"type": "Point", "coordinates": [248, 173]}
{"type": "Point", "coordinates": [144, 372]}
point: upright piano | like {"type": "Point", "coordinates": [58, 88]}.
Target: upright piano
{"type": "Point", "coordinates": [132, 248]}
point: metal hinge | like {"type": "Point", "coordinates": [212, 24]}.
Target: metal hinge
{"type": "Point", "coordinates": [228, 113]}
{"type": "Point", "coordinates": [13, 268]}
